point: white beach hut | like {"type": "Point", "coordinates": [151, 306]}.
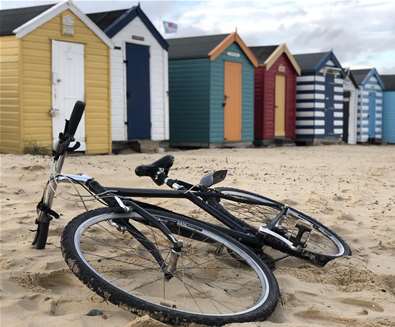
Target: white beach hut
{"type": "Point", "coordinates": [139, 75]}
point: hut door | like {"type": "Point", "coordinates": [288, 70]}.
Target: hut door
{"type": "Point", "coordinates": [346, 114]}
{"type": "Point", "coordinates": [279, 112]}
{"type": "Point", "coordinates": [372, 115]}
{"type": "Point", "coordinates": [138, 92]}
{"type": "Point", "coordinates": [329, 105]}
{"type": "Point", "coordinates": [68, 79]}
{"type": "Point", "coordinates": [232, 101]}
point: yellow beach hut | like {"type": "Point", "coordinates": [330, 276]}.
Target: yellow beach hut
{"type": "Point", "coordinates": [51, 56]}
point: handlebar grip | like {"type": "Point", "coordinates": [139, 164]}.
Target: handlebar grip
{"type": "Point", "coordinates": [75, 118]}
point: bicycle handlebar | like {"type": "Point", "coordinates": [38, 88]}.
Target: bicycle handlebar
{"type": "Point", "coordinates": [75, 119]}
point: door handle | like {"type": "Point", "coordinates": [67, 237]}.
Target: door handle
{"type": "Point", "coordinates": [53, 112]}
{"type": "Point", "coordinates": [224, 102]}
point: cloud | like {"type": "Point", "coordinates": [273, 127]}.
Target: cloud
{"type": "Point", "coordinates": [361, 32]}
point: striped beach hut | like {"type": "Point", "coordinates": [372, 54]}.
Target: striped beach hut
{"type": "Point", "coordinates": [211, 84]}
{"type": "Point", "coordinates": [275, 93]}
{"type": "Point", "coordinates": [389, 108]}
{"type": "Point", "coordinates": [319, 98]}
{"type": "Point", "coordinates": [370, 105]}
{"type": "Point", "coordinates": [52, 56]}
{"type": "Point", "coordinates": [139, 75]}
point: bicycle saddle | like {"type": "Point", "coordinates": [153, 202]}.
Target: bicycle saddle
{"type": "Point", "coordinates": [160, 166]}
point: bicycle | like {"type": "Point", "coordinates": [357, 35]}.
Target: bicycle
{"type": "Point", "coordinates": [177, 268]}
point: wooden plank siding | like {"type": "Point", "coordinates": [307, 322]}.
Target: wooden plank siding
{"type": "Point", "coordinates": [265, 99]}
{"type": "Point", "coordinates": [371, 85]}
{"type": "Point", "coordinates": [310, 107]}
{"type": "Point", "coordinates": [217, 95]}
{"type": "Point", "coordinates": [189, 90]}
{"type": "Point", "coordinates": [37, 89]}
{"type": "Point", "coordinates": [10, 114]}
{"type": "Point", "coordinates": [389, 117]}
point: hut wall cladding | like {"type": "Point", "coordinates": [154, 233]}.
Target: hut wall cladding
{"type": "Point", "coordinates": [158, 82]}
{"type": "Point", "coordinates": [189, 86]}
{"type": "Point", "coordinates": [389, 117]}
{"type": "Point", "coordinates": [10, 115]}
{"type": "Point", "coordinates": [217, 95]}
{"type": "Point", "coordinates": [310, 105]}
{"type": "Point", "coordinates": [265, 97]}
{"type": "Point", "coordinates": [372, 85]}
{"type": "Point", "coordinates": [36, 96]}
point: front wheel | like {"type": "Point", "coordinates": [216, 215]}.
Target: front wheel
{"type": "Point", "coordinates": [284, 228]}
{"type": "Point", "coordinates": [217, 279]}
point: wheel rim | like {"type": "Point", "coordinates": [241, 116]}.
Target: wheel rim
{"type": "Point", "coordinates": [260, 213]}
{"type": "Point", "coordinates": [208, 280]}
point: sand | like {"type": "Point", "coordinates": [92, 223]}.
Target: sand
{"type": "Point", "coordinates": [350, 188]}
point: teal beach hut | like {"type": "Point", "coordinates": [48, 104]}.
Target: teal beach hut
{"type": "Point", "coordinates": [389, 108]}
{"type": "Point", "coordinates": [211, 91]}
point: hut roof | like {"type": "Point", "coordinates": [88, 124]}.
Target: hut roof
{"type": "Point", "coordinates": [267, 55]}
{"type": "Point", "coordinates": [210, 46]}
{"type": "Point", "coordinates": [10, 19]}
{"type": "Point", "coordinates": [389, 82]}
{"type": "Point", "coordinates": [111, 22]}
{"type": "Point", "coordinates": [310, 61]}
{"type": "Point", "coordinates": [193, 47]}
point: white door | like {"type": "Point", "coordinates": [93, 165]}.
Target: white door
{"type": "Point", "coordinates": [68, 78]}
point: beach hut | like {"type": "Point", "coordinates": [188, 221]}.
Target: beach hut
{"type": "Point", "coordinates": [370, 105]}
{"type": "Point", "coordinates": [51, 56]}
{"type": "Point", "coordinates": [139, 75]}
{"type": "Point", "coordinates": [275, 93]}
{"type": "Point", "coordinates": [319, 98]}
{"type": "Point", "coordinates": [350, 108]}
{"type": "Point", "coordinates": [389, 108]}
{"type": "Point", "coordinates": [211, 85]}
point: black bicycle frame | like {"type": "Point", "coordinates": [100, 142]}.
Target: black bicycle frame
{"type": "Point", "coordinates": [237, 228]}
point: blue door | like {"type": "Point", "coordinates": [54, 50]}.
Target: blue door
{"type": "Point", "coordinates": [138, 92]}
{"type": "Point", "coordinates": [329, 106]}
{"type": "Point", "coordinates": [372, 114]}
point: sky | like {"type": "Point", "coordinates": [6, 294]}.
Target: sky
{"type": "Point", "coordinates": [360, 32]}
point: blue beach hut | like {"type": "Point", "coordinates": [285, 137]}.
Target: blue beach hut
{"type": "Point", "coordinates": [370, 105]}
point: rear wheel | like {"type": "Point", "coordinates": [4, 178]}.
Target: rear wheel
{"type": "Point", "coordinates": [210, 286]}
{"type": "Point", "coordinates": [284, 228]}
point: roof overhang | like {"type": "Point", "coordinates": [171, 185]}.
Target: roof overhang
{"type": "Point", "coordinates": [374, 72]}
{"type": "Point", "coordinates": [52, 12]}
{"type": "Point", "coordinates": [330, 55]}
{"type": "Point", "coordinates": [226, 42]}
{"type": "Point", "coordinates": [282, 48]}
{"type": "Point", "coordinates": [129, 16]}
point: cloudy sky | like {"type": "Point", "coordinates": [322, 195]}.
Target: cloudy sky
{"type": "Point", "coordinates": [361, 32]}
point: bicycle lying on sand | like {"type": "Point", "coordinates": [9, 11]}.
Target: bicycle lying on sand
{"type": "Point", "coordinates": [177, 268]}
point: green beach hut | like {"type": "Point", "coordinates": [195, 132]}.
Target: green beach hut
{"type": "Point", "coordinates": [211, 91]}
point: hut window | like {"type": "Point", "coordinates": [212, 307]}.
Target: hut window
{"type": "Point", "coordinates": [281, 69]}
{"type": "Point", "coordinates": [68, 25]}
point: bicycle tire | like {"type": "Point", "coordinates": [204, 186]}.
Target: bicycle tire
{"type": "Point", "coordinates": [119, 297]}
{"type": "Point", "coordinates": [272, 208]}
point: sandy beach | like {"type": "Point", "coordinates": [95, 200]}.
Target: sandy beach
{"type": "Point", "coordinates": [349, 188]}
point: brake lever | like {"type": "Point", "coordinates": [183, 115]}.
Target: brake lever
{"type": "Point", "coordinates": [74, 147]}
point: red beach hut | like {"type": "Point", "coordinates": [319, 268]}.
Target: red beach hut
{"type": "Point", "coordinates": [275, 94]}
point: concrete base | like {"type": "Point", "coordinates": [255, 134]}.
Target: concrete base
{"type": "Point", "coordinates": [275, 142]}
{"type": "Point", "coordinates": [320, 141]}
{"type": "Point", "coordinates": [142, 146]}
{"type": "Point", "coordinates": [186, 146]}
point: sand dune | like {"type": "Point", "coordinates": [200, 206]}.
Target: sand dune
{"type": "Point", "coordinates": [350, 188]}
